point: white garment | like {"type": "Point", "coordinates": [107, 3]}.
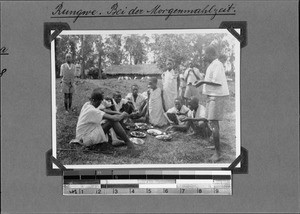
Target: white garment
{"type": "Point", "coordinates": [119, 105]}
{"type": "Point", "coordinates": [183, 110]}
{"type": "Point", "coordinates": [67, 72]}
{"type": "Point", "coordinates": [215, 72]}
{"type": "Point", "coordinates": [138, 102]}
{"type": "Point", "coordinates": [77, 70]}
{"type": "Point", "coordinates": [104, 104]}
{"type": "Point", "coordinates": [156, 112]}
{"type": "Point", "coordinates": [89, 127]}
{"type": "Point", "coordinates": [170, 93]}
{"type": "Point", "coordinates": [191, 78]}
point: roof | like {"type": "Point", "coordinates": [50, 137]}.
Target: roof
{"type": "Point", "coordinates": [142, 69]}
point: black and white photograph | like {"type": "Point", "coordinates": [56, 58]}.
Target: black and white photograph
{"type": "Point", "coordinates": [149, 106]}
{"type": "Point", "coordinates": [151, 98]}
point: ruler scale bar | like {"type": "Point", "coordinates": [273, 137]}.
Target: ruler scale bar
{"type": "Point", "coordinates": [147, 182]}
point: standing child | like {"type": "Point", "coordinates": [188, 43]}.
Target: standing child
{"type": "Point", "coordinates": [215, 87]}
{"type": "Point", "coordinates": [67, 72]}
{"type": "Point", "coordinates": [156, 104]}
{"type": "Point", "coordinates": [170, 81]}
{"type": "Point", "coordinates": [191, 75]}
{"type": "Point", "coordinates": [182, 87]}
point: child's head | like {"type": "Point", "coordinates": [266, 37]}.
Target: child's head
{"type": "Point", "coordinates": [178, 103]}
{"type": "Point", "coordinates": [152, 83]}
{"type": "Point", "coordinates": [170, 64]}
{"type": "Point", "coordinates": [193, 103]}
{"type": "Point", "coordinates": [117, 96]}
{"type": "Point", "coordinates": [96, 97]}
{"type": "Point", "coordinates": [68, 58]}
{"type": "Point", "coordinates": [210, 54]}
{"type": "Point", "coordinates": [134, 89]}
{"type": "Point", "coordinates": [222, 58]}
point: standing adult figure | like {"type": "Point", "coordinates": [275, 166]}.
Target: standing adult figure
{"type": "Point", "coordinates": [215, 88]}
{"type": "Point", "coordinates": [170, 85]}
{"type": "Point", "coordinates": [67, 72]}
{"type": "Point", "coordinates": [191, 75]}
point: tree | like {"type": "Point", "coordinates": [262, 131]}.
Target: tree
{"type": "Point", "coordinates": [136, 45]}
{"type": "Point", "coordinates": [112, 49]}
{"type": "Point", "coordinates": [99, 48]}
{"type": "Point", "coordinates": [169, 46]}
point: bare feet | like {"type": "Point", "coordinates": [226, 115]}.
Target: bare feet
{"type": "Point", "coordinates": [130, 146]}
{"type": "Point", "coordinates": [215, 157]}
{"type": "Point", "coordinates": [118, 143]}
{"type": "Point", "coordinates": [76, 141]}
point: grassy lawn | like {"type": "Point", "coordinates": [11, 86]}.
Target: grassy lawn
{"type": "Point", "coordinates": [181, 149]}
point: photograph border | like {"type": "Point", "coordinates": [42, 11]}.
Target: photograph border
{"type": "Point", "coordinates": [149, 166]}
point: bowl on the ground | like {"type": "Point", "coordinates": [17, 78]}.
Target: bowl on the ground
{"type": "Point", "coordinates": [138, 134]}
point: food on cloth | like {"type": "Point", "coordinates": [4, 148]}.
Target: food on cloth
{"type": "Point", "coordinates": [164, 137]}
{"type": "Point", "coordinates": [137, 134]}
{"type": "Point", "coordinates": [154, 132]}
{"type": "Point", "coordinates": [137, 140]}
{"type": "Point", "coordinates": [131, 127]}
{"type": "Point", "coordinates": [143, 126]}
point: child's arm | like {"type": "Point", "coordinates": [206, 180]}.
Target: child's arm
{"type": "Point", "coordinates": [199, 83]}
{"type": "Point", "coordinates": [194, 119]}
{"type": "Point", "coordinates": [108, 111]}
{"type": "Point", "coordinates": [61, 71]}
{"type": "Point", "coordinates": [178, 84]}
{"type": "Point", "coordinates": [163, 101]}
{"type": "Point", "coordinates": [116, 117]}
{"type": "Point", "coordinates": [184, 113]}
{"type": "Point", "coordinates": [61, 74]}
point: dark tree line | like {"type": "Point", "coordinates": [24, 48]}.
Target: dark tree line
{"type": "Point", "coordinates": [100, 51]}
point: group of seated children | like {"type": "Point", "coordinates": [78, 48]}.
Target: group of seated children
{"type": "Point", "coordinates": [184, 118]}
{"type": "Point", "coordinates": [150, 107]}
{"type": "Point", "coordinates": [96, 120]}
{"type": "Point", "coordinates": [101, 118]}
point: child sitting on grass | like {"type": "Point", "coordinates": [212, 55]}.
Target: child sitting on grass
{"type": "Point", "coordinates": [121, 104]}
{"type": "Point", "coordinates": [107, 107]}
{"type": "Point", "coordinates": [177, 116]}
{"type": "Point", "coordinates": [138, 101]}
{"type": "Point", "coordinates": [196, 119]}
{"type": "Point", "coordinates": [177, 113]}
{"type": "Point", "coordinates": [93, 124]}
